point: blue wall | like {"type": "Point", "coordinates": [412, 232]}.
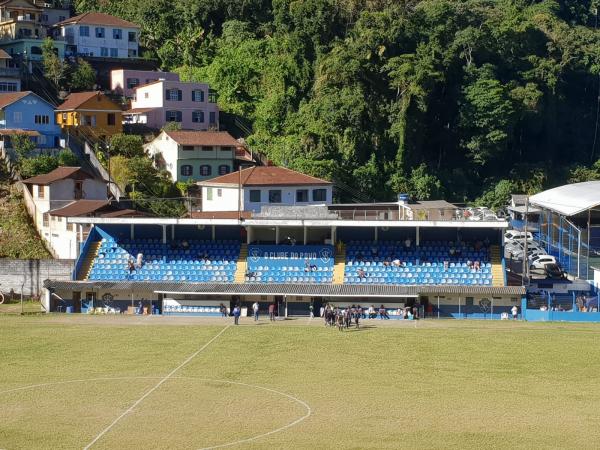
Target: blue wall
{"type": "Point", "coordinates": [535, 315]}
{"type": "Point", "coordinates": [30, 106]}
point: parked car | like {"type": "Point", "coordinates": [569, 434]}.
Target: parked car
{"type": "Point", "coordinates": [539, 261]}
{"type": "Point", "coordinates": [516, 249]}
{"type": "Point", "coordinates": [515, 235]}
{"type": "Point", "coordinates": [553, 271]}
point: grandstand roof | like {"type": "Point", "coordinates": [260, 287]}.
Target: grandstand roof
{"type": "Point", "coordinates": [265, 176]}
{"type": "Point", "coordinates": [332, 290]}
{"type": "Point", "coordinates": [570, 199]}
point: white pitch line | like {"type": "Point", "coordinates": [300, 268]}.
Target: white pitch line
{"type": "Point", "coordinates": [159, 384]}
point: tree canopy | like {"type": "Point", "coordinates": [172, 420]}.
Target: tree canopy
{"type": "Point", "coordinates": [461, 98]}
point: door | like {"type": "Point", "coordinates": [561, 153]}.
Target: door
{"type": "Point", "coordinates": [77, 302]}
{"type": "Point", "coordinates": [78, 194]}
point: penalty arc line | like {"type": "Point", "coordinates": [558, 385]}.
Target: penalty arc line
{"type": "Point", "coordinates": [159, 384]}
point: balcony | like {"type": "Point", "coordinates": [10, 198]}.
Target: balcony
{"type": "Point", "coordinates": [10, 72]}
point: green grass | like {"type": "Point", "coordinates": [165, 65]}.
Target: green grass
{"type": "Point", "coordinates": [434, 384]}
{"type": "Point", "coordinates": [15, 307]}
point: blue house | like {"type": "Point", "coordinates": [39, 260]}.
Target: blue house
{"type": "Point", "coordinates": [27, 113]}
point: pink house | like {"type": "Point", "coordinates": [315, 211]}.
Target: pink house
{"type": "Point", "coordinates": [192, 105]}
{"type": "Point", "coordinates": [124, 82]}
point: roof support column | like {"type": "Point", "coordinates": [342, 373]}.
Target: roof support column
{"type": "Point", "coordinates": [417, 237]}
{"type": "Point", "coordinates": [80, 240]}
{"type": "Point", "coordinates": [375, 233]}
{"type": "Point", "coordinates": [248, 234]}
{"type": "Point", "coordinates": [305, 234]}
{"type": "Point", "coordinates": [333, 235]}
{"type": "Point", "coordinates": [277, 234]}
{"type": "Point", "coordinates": [213, 232]}
{"type": "Point", "coordinates": [172, 232]}
{"type": "Point", "coordinates": [164, 234]}
{"type": "Point", "coordinates": [131, 232]}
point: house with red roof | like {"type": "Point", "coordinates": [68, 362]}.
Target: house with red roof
{"type": "Point", "coordinates": [264, 186]}
{"type": "Point", "coordinates": [100, 35]}
{"type": "Point", "coordinates": [92, 112]}
{"type": "Point", "coordinates": [197, 155]}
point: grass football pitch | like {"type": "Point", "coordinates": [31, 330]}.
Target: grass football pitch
{"type": "Point", "coordinates": [150, 382]}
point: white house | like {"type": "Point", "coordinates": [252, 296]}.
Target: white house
{"type": "Point", "coordinates": [100, 35]}
{"type": "Point", "coordinates": [55, 191]}
{"type": "Point", "coordinates": [260, 186]}
{"type": "Point", "coordinates": [195, 155]}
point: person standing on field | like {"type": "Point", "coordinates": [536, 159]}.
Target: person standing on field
{"type": "Point", "coordinates": [255, 308]}
{"type": "Point", "coordinates": [515, 312]}
{"type": "Point", "coordinates": [236, 314]}
{"type": "Point", "coordinates": [272, 312]}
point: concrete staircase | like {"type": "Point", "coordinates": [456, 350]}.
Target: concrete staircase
{"type": "Point", "coordinates": [88, 262]}
{"type": "Point", "coordinates": [497, 271]}
{"type": "Point", "coordinates": [340, 264]}
{"type": "Point", "coordinates": [242, 265]}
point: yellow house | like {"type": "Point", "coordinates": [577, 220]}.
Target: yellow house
{"type": "Point", "coordinates": [91, 113]}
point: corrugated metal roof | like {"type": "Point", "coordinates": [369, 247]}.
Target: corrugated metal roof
{"type": "Point", "coordinates": [316, 290]}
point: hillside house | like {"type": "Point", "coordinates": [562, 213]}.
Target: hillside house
{"type": "Point", "coordinates": [91, 113]}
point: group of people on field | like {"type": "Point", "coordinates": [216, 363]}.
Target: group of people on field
{"type": "Point", "coordinates": [342, 318]}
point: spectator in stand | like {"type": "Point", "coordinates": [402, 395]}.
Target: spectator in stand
{"type": "Point", "coordinates": [477, 265]}
{"type": "Point", "coordinates": [387, 262]}
{"type": "Point", "coordinates": [306, 265]}
{"type": "Point", "coordinates": [130, 266]}
{"type": "Point", "coordinates": [452, 251]}
{"type": "Point", "coordinates": [407, 243]}
{"type": "Point", "coordinates": [374, 250]}
{"type": "Point", "coordinates": [469, 264]}
{"type": "Point", "coordinates": [396, 262]}
{"type": "Point", "coordinates": [140, 260]}
{"type": "Point", "coordinates": [446, 265]}
{"type": "Point", "coordinates": [361, 273]}
{"type": "Point", "coordinates": [185, 244]}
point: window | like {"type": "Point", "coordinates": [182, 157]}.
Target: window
{"type": "Point", "coordinates": [255, 196]}
{"type": "Point", "coordinates": [44, 17]}
{"type": "Point", "coordinates": [186, 170]}
{"type": "Point", "coordinates": [275, 196]}
{"type": "Point", "coordinates": [197, 95]}
{"type": "Point", "coordinates": [69, 227]}
{"type": "Point", "coordinates": [8, 87]}
{"type": "Point", "coordinates": [111, 119]}
{"type": "Point", "coordinates": [100, 32]}
{"type": "Point", "coordinates": [173, 95]}
{"type": "Point", "coordinates": [103, 51]}
{"type": "Point", "coordinates": [212, 96]}
{"type": "Point", "coordinates": [41, 120]}
{"type": "Point", "coordinates": [209, 193]}
{"type": "Point", "coordinates": [46, 220]}
{"type": "Point", "coordinates": [319, 195]}
{"type": "Point", "coordinates": [205, 170]}
{"type": "Point", "coordinates": [226, 149]}
{"type": "Point", "coordinates": [132, 36]}
{"type": "Point", "coordinates": [41, 139]}
{"type": "Point", "coordinates": [173, 116]}
{"type": "Point", "coordinates": [132, 82]}
{"type": "Point", "coordinates": [302, 195]}
{"type": "Point", "coordinates": [84, 31]}
{"type": "Point", "coordinates": [117, 33]}
{"type": "Point", "coordinates": [17, 117]}
{"type": "Point", "coordinates": [207, 148]}
{"type": "Point", "coordinates": [146, 95]}
{"type": "Point", "coordinates": [188, 148]}
{"type": "Point", "coordinates": [114, 53]}
{"type": "Point", "coordinates": [219, 192]}
{"type": "Point", "coordinates": [198, 116]}
{"type": "Point", "coordinates": [212, 117]}
{"type": "Point", "coordinates": [223, 169]}
{"type": "Point", "coordinates": [35, 50]}
{"type": "Point", "coordinates": [41, 190]}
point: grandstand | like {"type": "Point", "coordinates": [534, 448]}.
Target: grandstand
{"type": "Point", "coordinates": [452, 266]}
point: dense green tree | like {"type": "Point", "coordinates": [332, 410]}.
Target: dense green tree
{"type": "Point", "coordinates": [128, 145]}
{"type": "Point", "coordinates": [83, 77]}
{"type": "Point", "coordinates": [54, 68]}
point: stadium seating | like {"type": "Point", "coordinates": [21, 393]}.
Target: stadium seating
{"type": "Point", "coordinates": [290, 264]}
{"type": "Point", "coordinates": [199, 261]}
{"type": "Point", "coordinates": [422, 265]}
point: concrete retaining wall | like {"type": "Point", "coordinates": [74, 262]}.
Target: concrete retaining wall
{"type": "Point", "coordinates": [29, 274]}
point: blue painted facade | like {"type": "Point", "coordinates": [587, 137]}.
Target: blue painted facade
{"type": "Point", "coordinates": [25, 112]}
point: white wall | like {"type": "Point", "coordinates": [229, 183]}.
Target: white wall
{"type": "Point", "coordinates": [167, 147]}
{"type": "Point", "coordinates": [65, 189]}
{"type": "Point", "coordinates": [227, 201]}
{"type": "Point", "coordinates": [92, 45]}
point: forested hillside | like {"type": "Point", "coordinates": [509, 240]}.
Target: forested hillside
{"type": "Point", "coordinates": [452, 98]}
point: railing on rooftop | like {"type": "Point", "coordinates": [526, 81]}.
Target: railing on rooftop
{"type": "Point", "coordinates": [446, 215]}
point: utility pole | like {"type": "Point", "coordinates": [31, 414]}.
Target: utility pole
{"type": "Point", "coordinates": [525, 274]}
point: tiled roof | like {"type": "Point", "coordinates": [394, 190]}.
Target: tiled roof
{"type": "Point", "coordinates": [184, 137]}
{"type": "Point", "coordinates": [96, 18]}
{"type": "Point", "coordinates": [76, 99]}
{"type": "Point", "coordinates": [266, 176]}
{"type": "Point", "coordinates": [79, 208]}
{"type": "Point", "coordinates": [60, 173]}
{"type": "Point", "coordinates": [4, 55]}
{"type": "Point", "coordinates": [315, 290]}
{"type": "Point", "coordinates": [8, 98]}
{"type": "Point", "coordinates": [11, 131]}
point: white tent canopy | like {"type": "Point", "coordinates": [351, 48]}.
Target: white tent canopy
{"type": "Point", "coordinates": [569, 199]}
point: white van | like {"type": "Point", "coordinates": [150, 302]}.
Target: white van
{"type": "Point", "coordinates": [515, 235]}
